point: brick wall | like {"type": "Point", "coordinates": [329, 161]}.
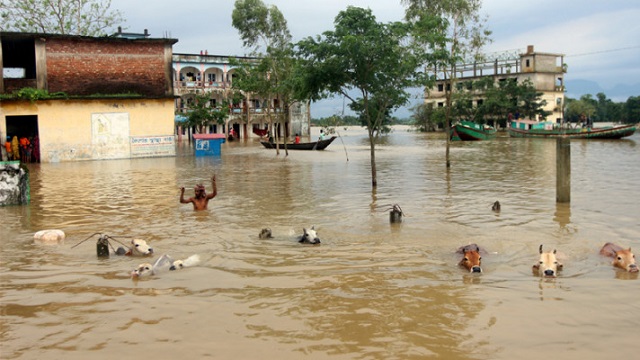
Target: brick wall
{"type": "Point", "coordinates": [11, 85]}
{"type": "Point", "coordinates": [89, 66]}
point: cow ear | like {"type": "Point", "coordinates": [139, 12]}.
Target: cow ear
{"type": "Point", "coordinates": [540, 248]}
{"type": "Point", "coordinates": [304, 230]}
{"type": "Point", "coordinates": [554, 251]}
{"type": "Point", "coordinates": [560, 266]}
{"type": "Point", "coordinates": [536, 266]}
{"type": "Point", "coordinates": [313, 227]}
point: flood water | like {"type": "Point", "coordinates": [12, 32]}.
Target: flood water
{"type": "Point", "coordinates": [371, 290]}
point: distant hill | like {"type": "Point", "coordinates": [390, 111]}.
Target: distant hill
{"type": "Point", "coordinates": [619, 93]}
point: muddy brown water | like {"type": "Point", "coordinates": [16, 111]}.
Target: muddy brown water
{"type": "Point", "coordinates": [371, 290]}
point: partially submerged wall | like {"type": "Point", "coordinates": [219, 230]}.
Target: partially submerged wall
{"type": "Point", "coordinates": [98, 129]}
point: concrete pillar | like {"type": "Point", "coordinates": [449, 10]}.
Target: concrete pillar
{"type": "Point", "coordinates": [563, 170]}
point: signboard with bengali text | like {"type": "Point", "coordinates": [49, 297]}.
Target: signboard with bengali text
{"type": "Point", "coordinates": [151, 146]}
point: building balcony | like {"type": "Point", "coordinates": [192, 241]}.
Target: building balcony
{"type": "Point", "coordinates": [197, 86]}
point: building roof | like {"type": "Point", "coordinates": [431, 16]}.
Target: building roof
{"type": "Point", "coordinates": [27, 35]}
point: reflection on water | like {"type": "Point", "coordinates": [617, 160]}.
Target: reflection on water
{"type": "Point", "coordinates": [371, 290]}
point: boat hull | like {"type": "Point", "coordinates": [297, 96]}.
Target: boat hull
{"type": "Point", "coordinates": [316, 145]}
{"type": "Point", "coordinates": [466, 131]}
{"type": "Point", "coordinates": [598, 133]}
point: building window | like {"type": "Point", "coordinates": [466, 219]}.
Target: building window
{"type": "Point", "coordinates": [528, 63]}
{"type": "Point", "coordinates": [440, 87]}
{"type": "Point", "coordinates": [440, 104]}
{"type": "Point", "coordinates": [479, 103]}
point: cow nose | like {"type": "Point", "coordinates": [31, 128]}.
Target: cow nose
{"type": "Point", "coordinates": [476, 269]}
{"type": "Point", "coordinates": [549, 272]}
{"type": "Point", "coordinates": [633, 268]}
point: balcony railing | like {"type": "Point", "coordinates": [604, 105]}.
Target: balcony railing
{"type": "Point", "coordinates": [199, 84]}
{"type": "Point", "coordinates": [240, 110]}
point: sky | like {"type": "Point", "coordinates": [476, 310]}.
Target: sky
{"type": "Point", "coordinates": [600, 39]}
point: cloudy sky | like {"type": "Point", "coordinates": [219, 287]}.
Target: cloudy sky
{"type": "Point", "coordinates": [600, 39]}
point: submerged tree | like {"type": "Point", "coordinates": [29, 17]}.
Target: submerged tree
{"type": "Point", "coordinates": [69, 17]}
{"type": "Point", "coordinates": [509, 97]}
{"type": "Point", "coordinates": [264, 30]}
{"type": "Point", "coordinates": [426, 117]}
{"type": "Point", "coordinates": [370, 64]}
{"type": "Point", "coordinates": [200, 113]}
{"type": "Point", "coordinates": [465, 36]}
{"type": "Point", "coordinates": [586, 106]}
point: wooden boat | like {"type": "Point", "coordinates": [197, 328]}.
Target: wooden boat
{"type": "Point", "coordinates": [547, 129]}
{"type": "Point", "coordinates": [470, 131]}
{"type": "Point", "coordinates": [316, 145]}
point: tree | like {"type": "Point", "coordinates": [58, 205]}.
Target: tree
{"type": "Point", "coordinates": [631, 110]}
{"type": "Point", "coordinates": [426, 117]}
{"type": "Point", "coordinates": [464, 34]}
{"type": "Point", "coordinates": [369, 63]}
{"type": "Point", "coordinates": [264, 30]}
{"type": "Point", "coordinates": [529, 100]}
{"type": "Point", "coordinates": [199, 113]}
{"type": "Point", "coordinates": [69, 17]}
{"type": "Point", "coordinates": [609, 111]}
{"type": "Point", "coordinates": [576, 109]}
{"type": "Point", "coordinates": [508, 97]}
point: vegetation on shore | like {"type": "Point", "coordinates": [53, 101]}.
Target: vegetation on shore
{"type": "Point", "coordinates": [598, 109]}
{"type": "Point", "coordinates": [32, 94]}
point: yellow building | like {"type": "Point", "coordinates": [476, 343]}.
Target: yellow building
{"type": "Point", "coordinates": [70, 130]}
{"type": "Point", "coordinates": [544, 70]}
{"type": "Point", "coordinates": [87, 98]}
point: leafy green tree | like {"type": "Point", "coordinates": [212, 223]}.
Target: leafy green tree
{"type": "Point", "coordinates": [576, 109]}
{"type": "Point", "coordinates": [602, 109]}
{"type": "Point", "coordinates": [529, 100]}
{"type": "Point", "coordinates": [462, 102]}
{"type": "Point", "coordinates": [427, 118]}
{"type": "Point", "coordinates": [370, 64]}
{"type": "Point", "coordinates": [465, 35]}
{"type": "Point", "coordinates": [609, 111]}
{"type": "Point", "coordinates": [200, 113]}
{"type": "Point", "coordinates": [497, 100]}
{"type": "Point", "coordinates": [632, 110]}
{"type": "Point", "coordinates": [69, 17]}
{"type": "Point", "coordinates": [264, 30]}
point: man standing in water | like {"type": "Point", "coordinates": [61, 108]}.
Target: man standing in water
{"type": "Point", "coordinates": [201, 198]}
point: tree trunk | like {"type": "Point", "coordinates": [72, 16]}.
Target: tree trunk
{"type": "Point", "coordinates": [447, 129]}
{"type": "Point", "coordinates": [374, 176]}
{"type": "Point", "coordinates": [447, 125]}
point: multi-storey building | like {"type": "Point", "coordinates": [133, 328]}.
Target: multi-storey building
{"type": "Point", "coordinates": [213, 75]}
{"type": "Point", "coordinates": [544, 70]}
{"type": "Point", "coordinates": [93, 97]}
